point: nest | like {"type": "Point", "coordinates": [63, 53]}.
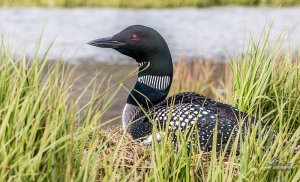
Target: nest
{"type": "Point", "coordinates": [119, 151]}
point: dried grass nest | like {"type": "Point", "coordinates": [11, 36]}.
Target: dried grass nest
{"type": "Point", "coordinates": [113, 142]}
{"type": "Point", "coordinates": [117, 148]}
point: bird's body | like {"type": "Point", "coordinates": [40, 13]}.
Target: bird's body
{"type": "Point", "coordinates": [195, 114]}
{"type": "Point", "coordinates": [147, 102]}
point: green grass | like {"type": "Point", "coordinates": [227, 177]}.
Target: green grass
{"type": "Point", "coordinates": [46, 136]}
{"type": "Point", "coordinates": [145, 3]}
{"type": "Point", "coordinates": [268, 82]}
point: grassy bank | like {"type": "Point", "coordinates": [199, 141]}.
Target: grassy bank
{"type": "Point", "coordinates": [45, 135]}
{"type": "Point", "coordinates": [146, 3]}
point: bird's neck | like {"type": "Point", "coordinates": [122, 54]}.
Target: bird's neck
{"type": "Point", "coordinates": [152, 86]}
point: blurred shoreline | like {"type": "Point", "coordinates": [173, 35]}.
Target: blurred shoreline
{"type": "Point", "coordinates": [189, 32]}
{"type": "Point", "coordinates": [146, 3]}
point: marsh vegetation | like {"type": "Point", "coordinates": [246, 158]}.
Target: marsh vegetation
{"type": "Point", "coordinates": [46, 135]}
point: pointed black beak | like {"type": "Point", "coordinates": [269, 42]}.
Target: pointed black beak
{"type": "Point", "coordinates": [107, 42]}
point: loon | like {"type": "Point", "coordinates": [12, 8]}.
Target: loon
{"type": "Point", "coordinates": [148, 99]}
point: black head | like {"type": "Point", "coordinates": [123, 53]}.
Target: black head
{"type": "Point", "coordinates": [139, 42]}
{"type": "Point", "coordinates": [145, 45]}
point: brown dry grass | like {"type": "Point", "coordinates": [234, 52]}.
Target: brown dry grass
{"type": "Point", "coordinates": [132, 157]}
{"type": "Point", "coordinates": [200, 76]}
{"type": "Point", "coordinates": [122, 156]}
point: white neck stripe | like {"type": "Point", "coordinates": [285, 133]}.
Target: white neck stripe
{"type": "Point", "coordinates": [157, 82]}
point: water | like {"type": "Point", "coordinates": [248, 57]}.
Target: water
{"type": "Point", "coordinates": [190, 32]}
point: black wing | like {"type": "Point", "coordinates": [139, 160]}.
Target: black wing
{"type": "Point", "coordinates": [183, 111]}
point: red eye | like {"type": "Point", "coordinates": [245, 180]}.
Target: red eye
{"type": "Point", "coordinates": [135, 37]}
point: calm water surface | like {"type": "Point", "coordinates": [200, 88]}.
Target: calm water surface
{"type": "Point", "coordinates": [207, 32]}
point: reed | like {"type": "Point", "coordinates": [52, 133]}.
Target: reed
{"type": "Point", "coordinates": [46, 136]}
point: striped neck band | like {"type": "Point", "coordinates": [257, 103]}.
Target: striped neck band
{"type": "Point", "coordinates": [157, 82]}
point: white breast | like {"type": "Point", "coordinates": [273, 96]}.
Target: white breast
{"type": "Point", "coordinates": [128, 112]}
